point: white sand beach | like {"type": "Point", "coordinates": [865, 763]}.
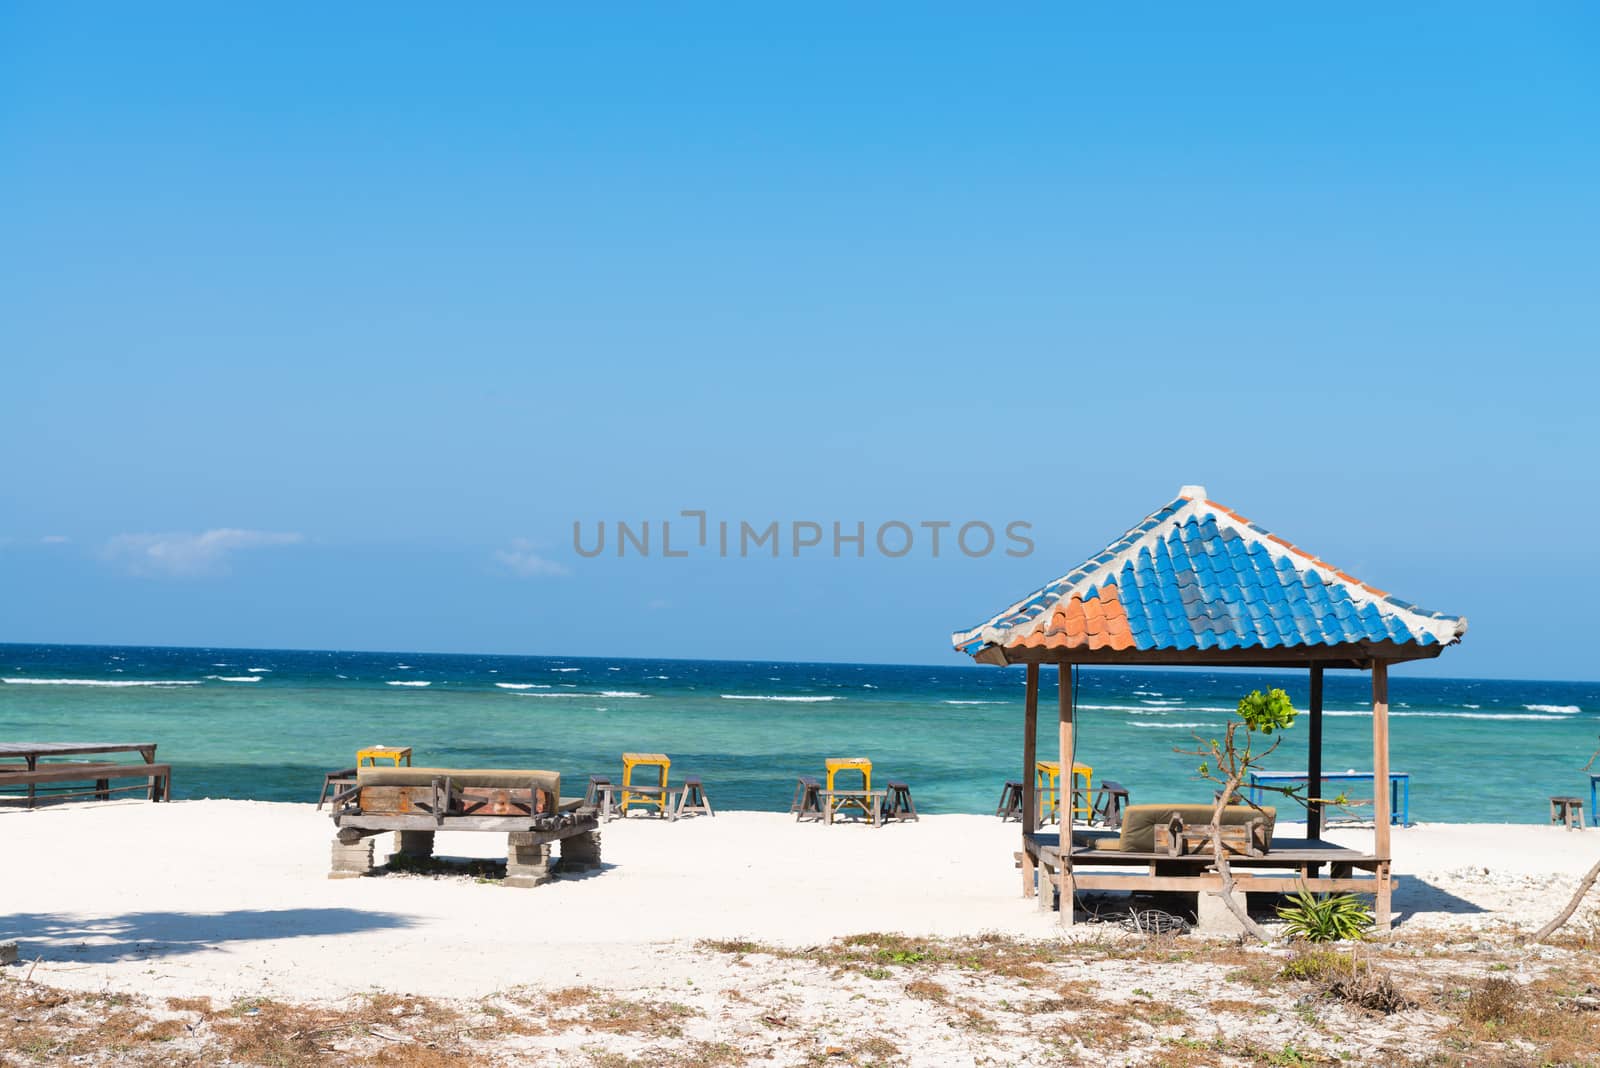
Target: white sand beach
{"type": "Point", "coordinates": [232, 899]}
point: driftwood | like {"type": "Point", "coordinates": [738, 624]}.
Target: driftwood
{"type": "Point", "coordinates": [1233, 766]}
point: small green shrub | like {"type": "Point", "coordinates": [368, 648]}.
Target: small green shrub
{"type": "Point", "coordinates": [1316, 965]}
{"type": "Point", "coordinates": [1325, 917]}
{"type": "Point", "coordinates": [1267, 712]}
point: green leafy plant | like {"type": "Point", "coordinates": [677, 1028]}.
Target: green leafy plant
{"type": "Point", "coordinates": [1267, 712]}
{"type": "Point", "coordinates": [1325, 917]}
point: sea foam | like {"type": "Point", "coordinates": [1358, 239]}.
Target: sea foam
{"type": "Point", "coordinates": [771, 697]}
{"type": "Point", "coordinates": [523, 685]}
{"type": "Point", "coordinates": [408, 682]}
{"type": "Point", "coordinates": [235, 678]}
{"type": "Point", "coordinates": [1565, 710]}
{"type": "Point", "coordinates": [102, 682]}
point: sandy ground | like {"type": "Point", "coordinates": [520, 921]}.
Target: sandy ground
{"type": "Point", "coordinates": [231, 898]}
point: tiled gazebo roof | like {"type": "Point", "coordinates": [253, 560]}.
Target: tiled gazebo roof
{"type": "Point", "coordinates": [1196, 582]}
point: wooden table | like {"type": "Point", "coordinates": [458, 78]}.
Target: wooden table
{"type": "Point", "coordinates": [656, 795]}
{"type": "Point", "coordinates": [869, 801]}
{"type": "Point", "coordinates": [30, 752]}
{"type": "Point", "coordinates": [861, 764]}
{"type": "Point", "coordinates": [1399, 788]}
{"type": "Point", "coordinates": [1045, 773]}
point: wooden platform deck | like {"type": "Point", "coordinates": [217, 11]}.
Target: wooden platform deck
{"type": "Point", "coordinates": [1290, 864]}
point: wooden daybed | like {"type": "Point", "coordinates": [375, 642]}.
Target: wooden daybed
{"type": "Point", "coordinates": [524, 805]}
{"type": "Point", "coordinates": [1154, 859]}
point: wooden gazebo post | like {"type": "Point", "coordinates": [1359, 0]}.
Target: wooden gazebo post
{"type": "Point", "coordinates": [1030, 803]}
{"type": "Point", "coordinates": [1380, 787]}
{"type": "Point", "coordinates": [1314, 757]}
{"type": "Point", "coordinates": [1069, 783]}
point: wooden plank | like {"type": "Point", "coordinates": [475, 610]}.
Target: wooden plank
{"type": "Point", "coordinates": [1278, 884]}
{"type": "Point", "coordinates": [74, 772]}
{"type": "Point", "coordinates": [1314, 756]}
{"type": "Point", "coordinates": [492, 824]}
{"type": "Point", "coordinates": [1030, 747]}
{"type": "Point", "coordinates": [39, 749]}
{"type": "Point", "coordinates": [93, 791]}
{"type": "Point", "coordinates": [1273, 859]}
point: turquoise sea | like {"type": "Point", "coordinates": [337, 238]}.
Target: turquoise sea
{"type": "Point", "coordinates": [267, 724]}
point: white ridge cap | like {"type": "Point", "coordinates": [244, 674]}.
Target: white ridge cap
{"type": "Point", "coordinates": [1193, 493]}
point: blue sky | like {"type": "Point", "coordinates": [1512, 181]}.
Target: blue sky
{"type": "Point", "coordinates": [321, 326]}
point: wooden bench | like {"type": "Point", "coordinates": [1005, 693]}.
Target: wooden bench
{"type": "Point", "coordinates": [870, 802]}
{"type": "Point", "coordinates": [157, 785]}
{"type": "Point", "coordinates": [525, 806]}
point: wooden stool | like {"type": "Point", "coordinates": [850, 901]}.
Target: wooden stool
{"type": "Point", "coordinates": [900, 805]}
{"type": "Point", "coordinates": [1010, 806]}
{"type": "Point", "coordinates": [693, 789]}
{"type": "Point", "coordinates": [334, 782]}
{"type": "Point", "coordinates": [807, 799]}
{"type": "Point", "coordinates": [601, 796]}
{"type": "Point", "coordinates": [1568, 811]}
{"type": "Point", "coordinates": [1109, 803]}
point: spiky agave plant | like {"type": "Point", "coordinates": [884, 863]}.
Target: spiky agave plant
{"type": "Point", "coordinates": [1325, 917]}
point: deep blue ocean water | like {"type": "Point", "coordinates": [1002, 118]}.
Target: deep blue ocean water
{"type": "Point", "coordinates": [267, 724]}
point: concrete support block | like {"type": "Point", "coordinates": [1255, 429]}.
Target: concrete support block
{"type": "Point", "coordinates": [352, 855]}
{"type": "Point", "coordinates": [9, 952]}
{"type": "Point", "coordinates": [527, 860]}
{"type": "Point", "coordinates": [580, 852]}
{"type": "Point", "coordinates": [414, 843]}
{"type": "Point", "coordinates": [1213, 916]}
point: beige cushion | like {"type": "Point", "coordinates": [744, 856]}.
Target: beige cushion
{"type": "Point", "coordinates": [489, 778]}
{"type": "Point", "coordinates": [1139, 822]}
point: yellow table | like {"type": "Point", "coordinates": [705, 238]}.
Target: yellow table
{"type": "Point", "coordinates": [861, 764]}
{"type": "Point", "coordinates": [374, 753]}
{"type": "Point", "coordinates": [1046, 774]}
{"type": "Point", "coordinates": [659, 761]}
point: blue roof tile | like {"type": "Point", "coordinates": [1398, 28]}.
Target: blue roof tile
{"type": "Point", "coordinates": [1195, 575]}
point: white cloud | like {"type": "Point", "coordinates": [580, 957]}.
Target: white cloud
{"type": "Point", "coordinates": [54, 539]}
{"type": "Point", "coordinates": [521, 560]}
{"type": "Point", "coordinates": [190, 554]}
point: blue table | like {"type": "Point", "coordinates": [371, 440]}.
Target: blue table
{"type": "Point", "coordinates": [1399, 788]}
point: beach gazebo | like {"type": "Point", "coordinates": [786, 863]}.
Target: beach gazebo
{"type": "Point", "coordinates": [1198, 585]}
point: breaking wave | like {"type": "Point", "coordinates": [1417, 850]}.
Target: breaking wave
{"type": "Point", "coordinates": [102, 682]}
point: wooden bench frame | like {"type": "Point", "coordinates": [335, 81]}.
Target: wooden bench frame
{"type": "Point", "coordinates": [157, 785]}
{"type": "Point", "coordinates": [532, 818]}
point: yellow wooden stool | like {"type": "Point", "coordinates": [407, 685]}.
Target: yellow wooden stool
{"type": "Point", "coordinates": [861, 764]}
{"type": "Point", "coordinates": [1046, 776]}
{"type": "Point", "coordinates": [374, 753]}
{"type": "Point", "coordinates": [657, 795]}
